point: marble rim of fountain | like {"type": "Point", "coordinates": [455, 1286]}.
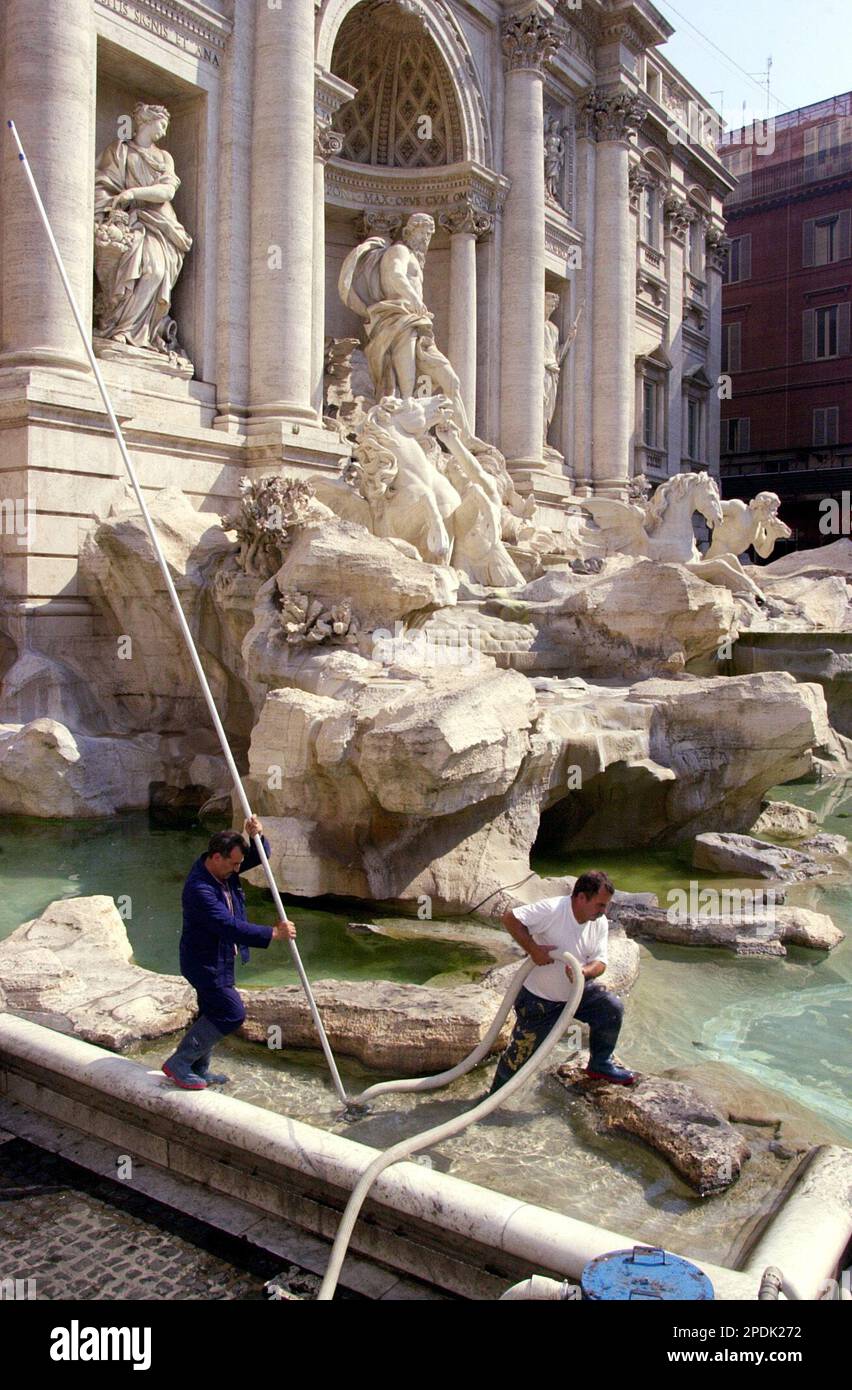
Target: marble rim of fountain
{"type": "Point", "coordinates": [807, 1235]}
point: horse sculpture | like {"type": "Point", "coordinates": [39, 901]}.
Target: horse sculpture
{"type": "Point", "coordinates": [662, 530]}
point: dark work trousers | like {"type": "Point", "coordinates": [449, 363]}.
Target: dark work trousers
{"type": "Point", "coordinates": [534, 1018]}
{"type": "Point", "coordinates": [222, 1005]}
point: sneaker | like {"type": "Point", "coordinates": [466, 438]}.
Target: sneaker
{"type": "Point", "coordinates": [611, 1071]}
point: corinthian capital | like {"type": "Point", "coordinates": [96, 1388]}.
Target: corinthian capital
{"type": "Point", "coordinates": [718, 246]}
{"type": "Point", "coordinates": [640, 178]}
{"type": "Point", "coordinates": [678, 214]}
{"type": "Point", "coordinates": [528, 41]}
{"type": "Point", "coordinates": [466, 218]}
{"type": "Point", "coordinates": [612, 115]}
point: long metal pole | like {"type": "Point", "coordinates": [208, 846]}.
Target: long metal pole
{"type": "Point", "coordinates": [179, 613]}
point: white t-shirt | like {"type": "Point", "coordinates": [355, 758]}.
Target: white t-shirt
{"type": "Point", "coordinates": [551, 922]}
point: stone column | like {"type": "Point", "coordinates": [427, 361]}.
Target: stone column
{"type": "Point", "coordinates": [611, 117]}
{"type": "Point", "coordinates": [464, 225]}
{"type": "Point", "coordinates": [49, 92]}
{"type": "Point", "coordinates": [678, 216]}
{"type": "Point", "coordinates": [330, 94]}
{"type": "Point", "coordinates": [234, 212]}
{"type": "Point", "coordinates": [528, 41]}
{"type": "Point", "coordinates": [282, 239]}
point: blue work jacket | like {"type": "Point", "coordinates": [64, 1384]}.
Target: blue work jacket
{"type": "Point", "coordinates": [210, 931]}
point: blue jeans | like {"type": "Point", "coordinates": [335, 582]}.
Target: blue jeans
{"type": "Point", "coordinates": [534, 1018]}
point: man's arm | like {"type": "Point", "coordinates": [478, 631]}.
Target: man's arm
{"type": "Point", "coordinates": [252, 858]}
{"type": "Point", "coordinates": [591, 971]}
{"type": "Point", "coordinates": [540, 954]}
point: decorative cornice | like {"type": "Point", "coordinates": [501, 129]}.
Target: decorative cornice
{"type": "Point", "coordinates": [403, 191]}
{"type": "Point", "coordinates": [330, 93]}
{"type": "Point", "coordinates": [612, 115]}
{"type": "Point", "coordinates": [467, 218]}
{"type": "Point", "coordinates": [528, 42]}
{"type": "Point", "coordinates": [195, 29]}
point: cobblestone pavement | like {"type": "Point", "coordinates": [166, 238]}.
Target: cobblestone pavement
{"type": "Point", "coordinates": [80, 1236]}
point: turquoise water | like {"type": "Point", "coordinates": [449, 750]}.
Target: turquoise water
{"type": "Point", "coordinates": [782, 1023]}
{"type": "Point", "coordinates": [128, 858]}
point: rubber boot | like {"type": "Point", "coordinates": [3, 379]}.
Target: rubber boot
{"type": "Point", "coordinates": [193, 1046]}
{"type": "Point", "coordinates": [202, 1066]}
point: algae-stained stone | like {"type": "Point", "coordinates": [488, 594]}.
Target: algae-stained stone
{"type": "Point", "coordinates": [692, 1135]}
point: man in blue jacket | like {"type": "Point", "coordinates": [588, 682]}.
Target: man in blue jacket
{"type": "Point", "coordinates": [214, 929]}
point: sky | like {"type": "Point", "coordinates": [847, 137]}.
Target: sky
{"type": "Point", "coordinates": [810, 42]}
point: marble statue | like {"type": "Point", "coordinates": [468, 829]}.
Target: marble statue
{"type": "Point", "coordinates": [382, 280]}
{"type": "Point", "coordinates": [662, 529]}
{"type": "Point", "coordinates": [554, 356]}
{"type": "Point", "coordinates": [392, 485]}
{"type": "Point", "coordinates": [554, 157]}
{"type": "Point", "coordinates": [477, 522]}
{"type": "Point", "coordinates": [401, 483]}
{"type": "Point", "coordinates": [139, 243]}
{"type": "Point", "coordinates": [755, 523]}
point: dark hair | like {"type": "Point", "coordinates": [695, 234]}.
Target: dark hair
{"type": "Point", "coordinates": [224, 841]}
{"type": "Point", "coordinates": [591, 882]}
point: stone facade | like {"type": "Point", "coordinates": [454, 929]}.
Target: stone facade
{"type": "Point", "coordinates": [551, 144]}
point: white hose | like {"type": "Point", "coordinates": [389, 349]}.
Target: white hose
{"type": "Point", "coordinates": [449, 1128]}
{"type": "Point", "coordinates": [179, 613]}
{"type": "Point", "coordinates": [443, 1078]}
{"type": "Point", "coordinates": [539, 1287]}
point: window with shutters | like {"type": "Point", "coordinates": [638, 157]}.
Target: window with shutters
{"type": "Point", "coordinates": [649, 413]}
{"type": "Point", "coordinates": [826, 426]}
{"type": "Point", "coordinates": [736, 436]}
{"type": "Point", "coordinates": [739, 260]}
{"type": "Point", "coordinates": [651, 217]}
{"type": "Point", "coordinates": [697, 232]}
{"type": "Point", "coordinates": [695, 429]}
{"type": "Point", "coordinates": [732, 347]}
{"type": "Point", "coordinates": [826, 332]}
{"type": "Point", "coordinates": [827, 239]}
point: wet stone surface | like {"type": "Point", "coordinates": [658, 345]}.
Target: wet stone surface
{"type": "Point", "coordinates": [80, 1236]}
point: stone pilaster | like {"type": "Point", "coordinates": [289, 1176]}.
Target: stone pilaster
{"type": "Point", "coordinates": [282, 240]}
{"type": "Point", "coordinates": [49, 92]}
{"type": "Point", "coordinates": [718, 245]}
{"type": "Point", "coordinates": [611, 117]}
{"type": "Point", "coordinates": [676, 222]}
{"type": "Point", "coordinates": [528, 41]}
{"type": "Point", "coordinates": [465, 225]}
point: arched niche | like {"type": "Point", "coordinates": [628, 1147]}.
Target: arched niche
{"type": "Point", "coordinates": [380, 42]}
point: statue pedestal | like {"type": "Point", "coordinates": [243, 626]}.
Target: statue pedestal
{"type": "Point", "coordinates": [553, 492]}
{"type": "Point", "coordinates": [171, 364]}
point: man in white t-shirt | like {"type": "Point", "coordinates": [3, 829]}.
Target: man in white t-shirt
{"type": "Point", "coordinates": [576, 924]}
